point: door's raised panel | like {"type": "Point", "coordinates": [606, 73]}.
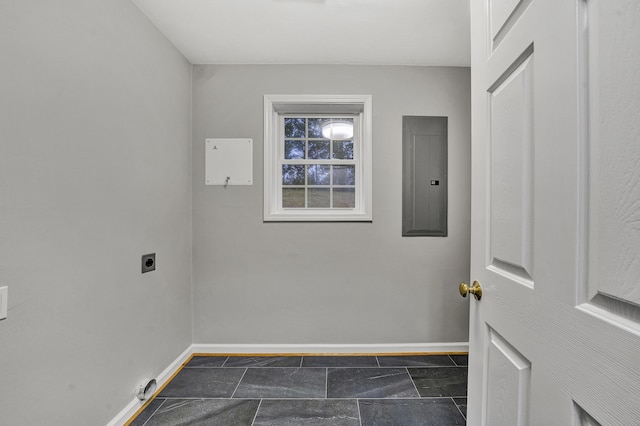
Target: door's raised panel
{"type": "Point", "coordinates": [619, 217]}
{"type": "Point", "coordinates": [511, 172]}
{"type": "Point", "coordinates": [614, 66]}
{"type": "Point", "coordinates": [503, 15]}
{"type": "Point", "coordinates": [499, 12]}
{"type": "Point", "coordinates": [620, 309]}
{"type": "Point", "coordinates": [583, 418]}
{"type": "Point", "coordinates": [508, 376]}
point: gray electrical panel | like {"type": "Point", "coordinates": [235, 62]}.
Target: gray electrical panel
{"type": "Point", "coordinates": [424, 176]}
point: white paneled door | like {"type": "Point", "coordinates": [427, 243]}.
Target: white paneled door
{"type": "Point", "coordinates": [555, 337]}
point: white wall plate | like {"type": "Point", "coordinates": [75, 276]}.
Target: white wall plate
{"type": "Point", "coordinates": [229, 161]}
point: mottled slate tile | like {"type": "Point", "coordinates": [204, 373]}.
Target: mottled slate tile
{"type": "Point", "coordinates": [207, 361]}
{"type": "Point", "coordinates": [339, 361]}
{"type": "Point", "coordinates": [410, 412]}
{"type": "Point", "coordinates": [282, 383]}
{"type": "Point", "coordinates": [415, 361]}
{"type": "Point", "coordinates": [462, 405]}
{"type": "Point", "coordinates": [147, 412]}
{"type": "Point", "coordinates": [462, 360]}
{"type": "Point", "coordinates": [227, 412]}
{"type": "Point", "coordinates": [369, 383]}
{"type": "Point", "coordinates": [203, 383]}
{"type": "Point", "coordinates": [440, 381]}
{"type": "Point", "coordinates": [308, 412]}
{"type": "Point", "coordinates": [263, 361]}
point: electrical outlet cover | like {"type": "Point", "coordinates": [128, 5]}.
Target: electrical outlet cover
{"type": "Point", "coordinates": [148, 262]}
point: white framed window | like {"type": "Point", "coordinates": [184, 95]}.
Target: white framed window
{"type": "Point", "coordinates": [317, 158]}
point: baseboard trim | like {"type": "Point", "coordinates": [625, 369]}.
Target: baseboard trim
{"type": "Point", "coordinates": [265, 349]}
{"type": "Point", "coordinates": [326, 349]}
{"type": "Point", "coordinates": [163, 378]}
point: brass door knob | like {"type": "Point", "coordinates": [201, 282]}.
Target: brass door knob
{"type": "Point", "coordinates": [475, 289]}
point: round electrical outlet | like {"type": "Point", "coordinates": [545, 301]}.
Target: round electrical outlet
{"type": "Point", "coordinates": [148, 262]}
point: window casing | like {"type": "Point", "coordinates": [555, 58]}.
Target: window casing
{"type": "Point", "coordinates": [314, 177]}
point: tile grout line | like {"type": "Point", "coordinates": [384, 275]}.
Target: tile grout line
{"type": "Point", "coordinates": [277, 398]}
{"type": "Point", "coordinates": [324, 366]}
{"type": "Point", "coordinates": [238, 385]}
{"type": "Point", "coordinates": [154, 412]}
{"type": "Point", "coordinates": [326, 383]}
{"type": "Point", "coordinates": [454, 362]}
{"type": "Point", "coordinates": [378, 361]}
{"type": "Point", "coordinates": [333, 366]}
{"type": "Point", "coordinates": [458, 407]}
{"type": "Point", "coordinates": [255, 416]}
{"type": "Point", "coordinates": [359, 412]}
{"type": "Point", "coordinates": [413, 383]}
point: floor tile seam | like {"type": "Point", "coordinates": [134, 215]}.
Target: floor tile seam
{"type": "Point", "coordinates": [394, 366]}
{"type": "Point", "coordinates": [262, 368]}
{"type": "Point", "coordinates": [326, 383]}
{"type": "Point", "coordinates": [290, 398]}
{"type": "Point", "coordinates": [255, 416]}
{"type": "Point", "coordinates": [332, 366]}
{"type": "Point", "coordinates": [413, 382]}
{"type": "Point", "coordinates": [281, 368]}
{"type": "Point", "coordinates": [366, 368]}
{"type": "Point", "coordinates": [400, 366]}
{"type": "Point", "coordinates": [435, 366]}
{"type": "Point", "coordinates": [280, 398]}
{"type": "Point", "coordinates": [225, 361]}
{"type": "Point", "coordinates": [452, 360]}
{"type": "Point", "coordinates": [458, 407]}
{"type": "Point", "coordinates": [399, 398]}
{"type": "Point", "coordinates": [210, 398]}
{"type": "Point", "coordinates": [238, 385]}
{"type": "Point", "coordinates": [154, 412]}
{"type": "Point", "coordinates": [342, 398]}
{"type": "Point", "coordinates": [284, 398]}
{"type": "Point", "coordinates": [359, 413]}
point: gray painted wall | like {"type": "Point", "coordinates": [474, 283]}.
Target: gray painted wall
{"type": "Point", "coordinates": [94, 172]}
{"type": "Point", "coordinates": [256, 282]}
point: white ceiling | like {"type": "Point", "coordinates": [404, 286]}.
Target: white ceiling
{"type": "Point", "coordinates": [372, 32]}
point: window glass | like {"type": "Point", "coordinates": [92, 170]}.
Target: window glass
{"type": "Point", "coordinates": [294, 127]}
{"type": "Point", "coordinates": [315, 127]}
{"type": "Point", "coordinates": [292, 175]}
{"type": "Point", "coordinates": [319, 198]}
{"type": "Point", "coordinates": [319, 174]}
{"type": "Point", "coordinates": [344, 198]}
{"type": "Point", "coordinates": [294, 149]}
{"type": "Point", "coordinates": [319, 150]}
{"type": "Point", "coordinates": [343, 150]}
{"type": "Point", "coordinates": [321, 186]}
{"type": "Point", "coordinates": [293, 197]}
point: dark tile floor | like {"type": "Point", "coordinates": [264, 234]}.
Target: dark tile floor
{"type": "Point", "coordinates": [410, 390]}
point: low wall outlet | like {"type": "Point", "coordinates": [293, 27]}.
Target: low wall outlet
{"type": "Point", "coordinates": [148, 262]}
{"type": "Point", "coordinates": [4, 303]}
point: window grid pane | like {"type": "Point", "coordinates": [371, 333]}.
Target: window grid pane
{"type": "Point", "coordinates": [317, 172]}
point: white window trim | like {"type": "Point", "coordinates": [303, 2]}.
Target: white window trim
{"type": "Point", "coordinates": [274, 105]}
